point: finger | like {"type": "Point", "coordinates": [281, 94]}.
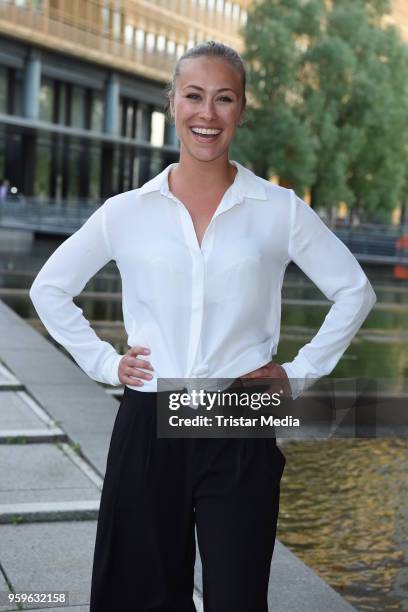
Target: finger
{"type": "Point", "coordinates": [140, 363]}
{"type": "Point", "coordinates": [140, 374]}
{"type": "Point", "coordinates": [131, 380]}
{"type": "Point", "coordinates": [139, 350]}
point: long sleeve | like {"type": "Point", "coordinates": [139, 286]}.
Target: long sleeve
{"type": "Point", "coordinates": [63, 276]}
{"type": "Point", "coordinates": [336, 272]}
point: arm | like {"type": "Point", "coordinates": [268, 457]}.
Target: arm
{"type": "Point", "coordinates": [63, 276]}
{"type": "Point", "coordinates": [335, 271]}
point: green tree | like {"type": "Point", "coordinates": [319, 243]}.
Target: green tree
{"type": "Point", "coordinates": [404, 203]}
{"type": "Point", "coordinates": [328, 85]}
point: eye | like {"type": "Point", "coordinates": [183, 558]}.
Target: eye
{"type": "Point", "coordinates": [194, 96]}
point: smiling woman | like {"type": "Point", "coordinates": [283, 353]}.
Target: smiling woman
{"type": "Point", "coordinates": [207, 102]}
{"type": "Point", "coordinates": [202, 250]}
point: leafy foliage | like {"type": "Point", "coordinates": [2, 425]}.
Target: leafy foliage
{"type": "Point", "coordinates": [328, 101]}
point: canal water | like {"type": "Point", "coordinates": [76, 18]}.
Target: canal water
{"type": "Point", "coordinates": [344, 502]}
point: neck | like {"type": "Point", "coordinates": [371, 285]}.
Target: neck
{"type": "Point", "coordinates": [211, 177]}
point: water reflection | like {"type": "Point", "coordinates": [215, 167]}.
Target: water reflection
{"type": "Point", "coordinates": [364, 358]}
{"type": "Point", "coordinates": [344, 503]}
{"type": "Point", "coordinates": [378, 350]}
{"type": "Point", "coordinates": [344, 507]}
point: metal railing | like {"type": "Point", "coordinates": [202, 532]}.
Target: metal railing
{"type": "Point", "coordinates": [62, 217]}
{"type": "Point", "coordinates": [369, 243]}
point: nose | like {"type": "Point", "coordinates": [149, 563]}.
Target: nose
{"type": "Point", "coordinates": [207, 110]}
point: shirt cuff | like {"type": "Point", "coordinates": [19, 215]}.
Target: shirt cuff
{"type": "Point", "coordinates": [110, 369]}
{"type": "Point", "coordinates": [298, 384]}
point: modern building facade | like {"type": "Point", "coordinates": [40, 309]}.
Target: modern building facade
{"type": "Point", "coordinates": [82, 89]}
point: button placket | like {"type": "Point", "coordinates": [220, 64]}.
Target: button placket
{"type": "Point", "coordinates": [198, 257]}
{"type": "Point", "coordinates": [197, 286]}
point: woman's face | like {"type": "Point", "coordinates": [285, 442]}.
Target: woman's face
{"type": "Point", "coordinates": [208, 95]}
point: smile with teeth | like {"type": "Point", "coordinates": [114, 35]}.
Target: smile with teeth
{"type": "Point", "coordinates": [206, 132]}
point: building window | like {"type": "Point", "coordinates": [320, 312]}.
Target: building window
{"type": "Point", "coordinates": [94, 171]}
{"type": "Point", "coordinates": [150, 41]}
{"type": "Point", "coordinates": [140, 38]}
{"type": "Point", "coordinates": [129, 35]}
{"type": "Point", "coordinates": [139, 122]}
{"type": "Point", "coordinates": [155, 163]}
{"type": "Point", "coordinates": [74, 170]}
{"type": "Point", "coordinates": [161, 43]}
{"type": "Point", "coordinates": [157, 131]}
{"type": "Point", "coordinates": [2, 151]}
{"type": "Point", "coordinates": [78, 107]}
{"type": "Point", "coordinates": [46, 100]}
{"type": "Point", "coordinates": [130, 121]}
{"type": "Point", "coordinates": [61, 98]}
{"type": "Point", "coordinates": [106, 19]}
{"type": "Point", "coordinates": [97, 112]}
{"type": "Point", "coordinates": [3, 90]}
{"type": "Point", "coordinates": [117, 25]}
{"type": "Point", "coordinates": [15, 95]}
{"type": "Point", "coordinates": [115, 170]}
{"type": "Point", "coordinates": [220, 6]}
{"type": "Point", "coordinates": [42, 170]}
{"type": "Point", "coordinates": [128, 113]}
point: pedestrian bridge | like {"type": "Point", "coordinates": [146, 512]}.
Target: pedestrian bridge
{"type": "Point", "coordinates": [369, 243]}
{"type": "Point", "coordinates": [62, 217]}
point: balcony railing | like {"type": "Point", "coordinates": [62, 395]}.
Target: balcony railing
{"type": "Point", "coordinates": [140, 36]}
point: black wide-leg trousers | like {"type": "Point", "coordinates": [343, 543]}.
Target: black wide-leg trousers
{"type": "Point", "coordinates": [156, 490]}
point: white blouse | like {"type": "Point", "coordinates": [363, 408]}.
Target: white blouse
{"type": "Point", "coordinates": [209, 312]}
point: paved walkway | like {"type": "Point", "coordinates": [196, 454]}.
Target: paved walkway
{"type": "Point", "coordinates": [55, 428]}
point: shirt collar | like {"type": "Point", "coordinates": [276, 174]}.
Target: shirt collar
{"type": "Point", "coordinates": [246, 184]}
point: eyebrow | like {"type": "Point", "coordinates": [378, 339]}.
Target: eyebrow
{"type": "Point", "coordinates": [218, 90]}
